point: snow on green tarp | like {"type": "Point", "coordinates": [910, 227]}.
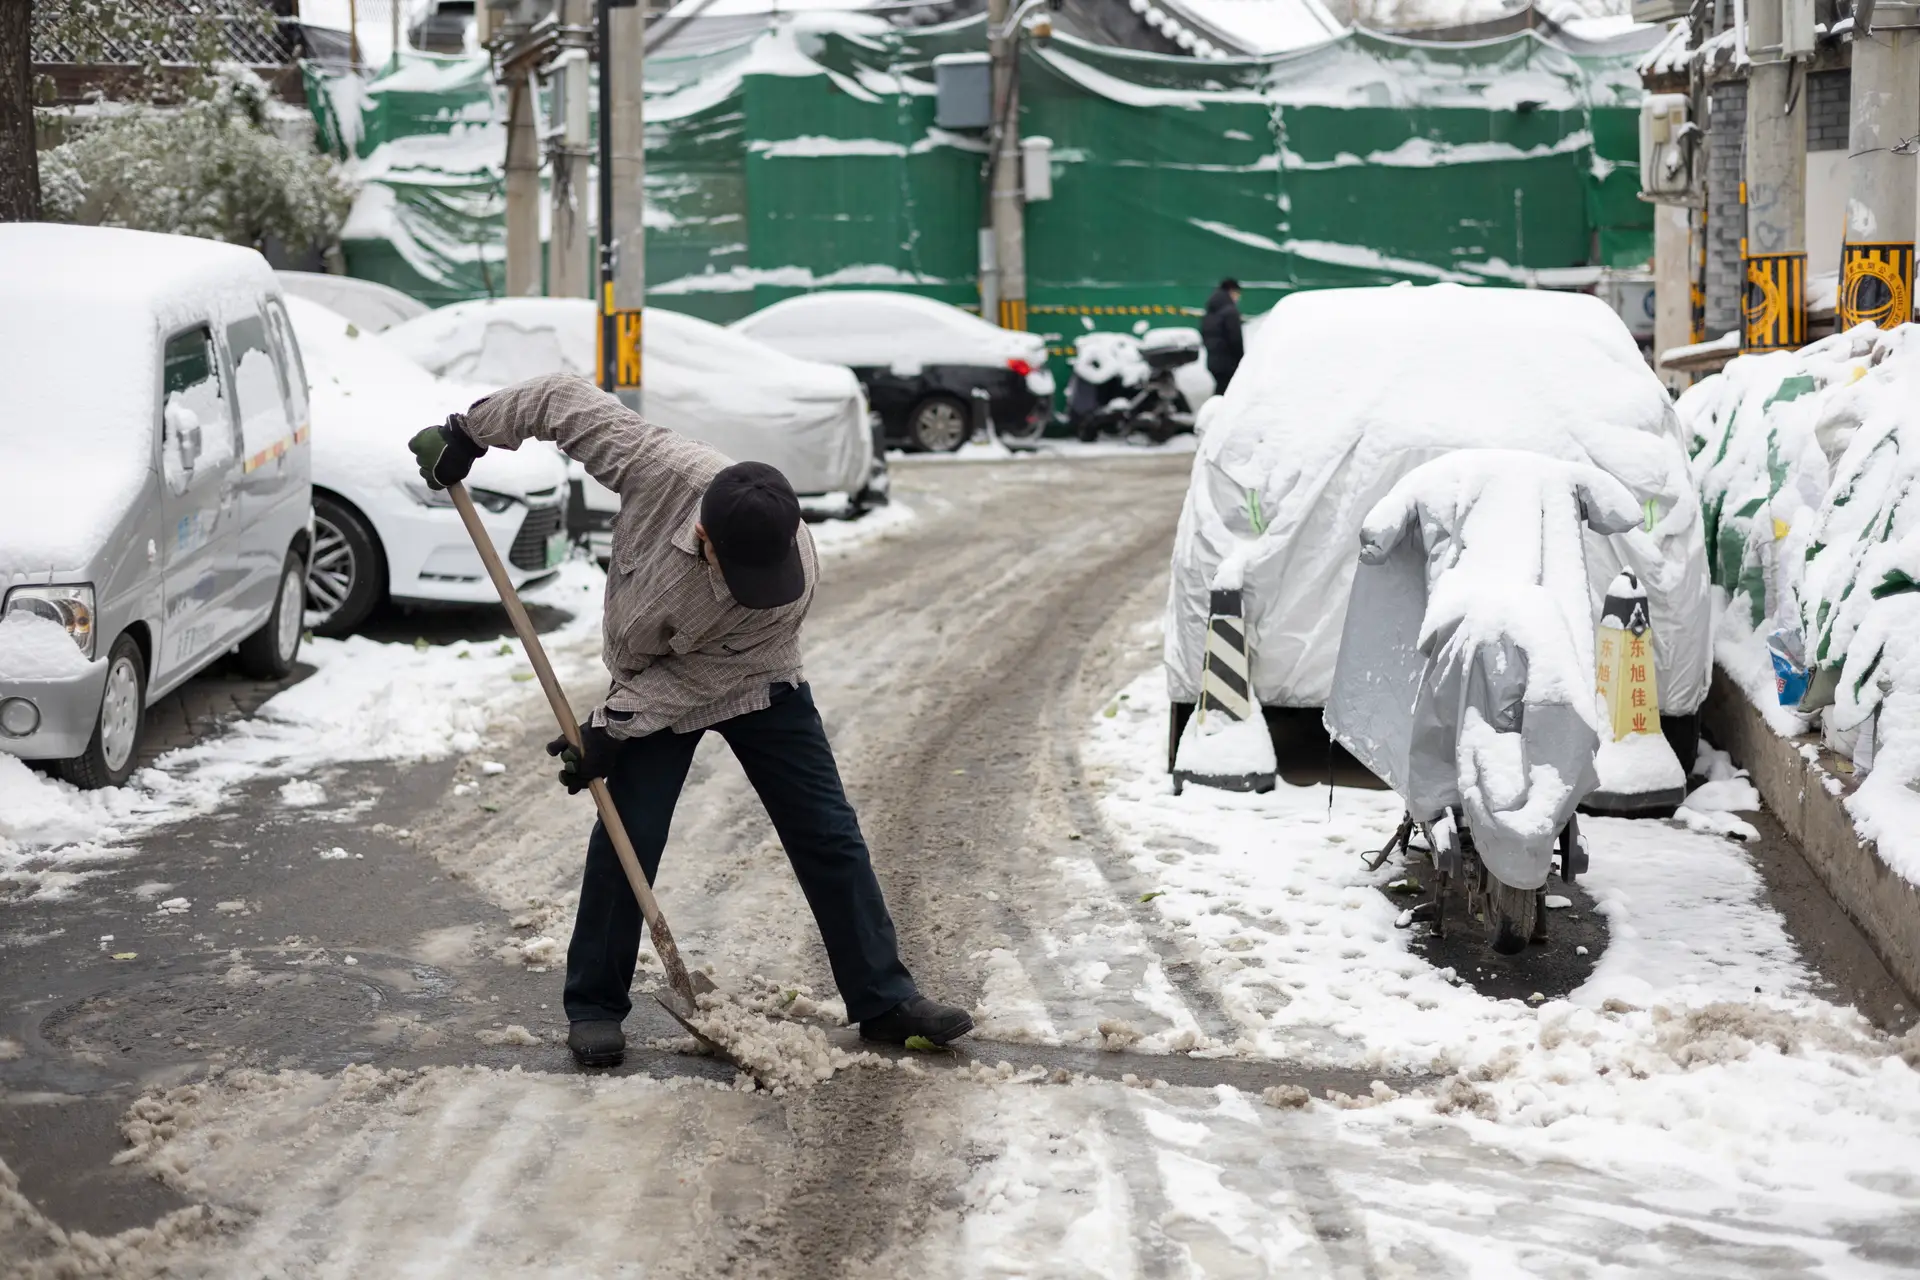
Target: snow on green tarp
{"type": "Point", "coordinates": [422, 144]}
{"type": "Point", "coordinates": [806, 156]}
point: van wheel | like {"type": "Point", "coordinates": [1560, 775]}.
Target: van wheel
{"type": "Point", "coordinates": [108, 760]}
{"type": "Point", "coordinates": [347, 575]}
{"type": "Point", "coordinates": [268, 653]}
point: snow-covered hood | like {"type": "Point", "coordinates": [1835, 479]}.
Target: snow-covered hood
{"type": "Point", "coordinates": [709, 383]}
{"type": "Point", "coordinates": [369, 399]}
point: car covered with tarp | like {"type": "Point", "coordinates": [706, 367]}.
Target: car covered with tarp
{"type": "Point", "coordinates": [1344, 392]}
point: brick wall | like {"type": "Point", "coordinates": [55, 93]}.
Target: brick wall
{"type": "Point", "coordinates": [1827, 97]}
{"type": "Point", "coordinates": [1726, 219]}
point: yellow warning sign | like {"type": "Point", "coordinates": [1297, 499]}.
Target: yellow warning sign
{"type": "Point", "coordinates": [1876, 283]}
{"type": "Point", "coordinates": [1775, 309]}
{"type": "Point", "coordinates": [626, 349]}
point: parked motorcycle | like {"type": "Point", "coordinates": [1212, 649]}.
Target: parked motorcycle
{"type": "Point", "coordinates": [1152, 384]}
{"type": "Point", "coordinates": [1466, 672]}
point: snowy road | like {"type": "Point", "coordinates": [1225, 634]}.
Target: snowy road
{"type": "Point", "coordinates": [364, 952]}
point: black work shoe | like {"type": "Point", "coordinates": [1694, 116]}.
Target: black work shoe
{"type": "Point", "coordinates": [600, 1043]}
{"type": "Point", "coordinates": [918, 1017]}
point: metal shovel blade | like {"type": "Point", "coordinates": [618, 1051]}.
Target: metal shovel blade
{"type": "Point", "coordinates": [683, 1013]}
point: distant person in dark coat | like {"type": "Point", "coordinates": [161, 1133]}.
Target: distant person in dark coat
{"type": "Point", "coordinates": [1220, 332]}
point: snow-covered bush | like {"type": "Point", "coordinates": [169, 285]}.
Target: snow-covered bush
{"type": "Point", "coordinates": [210, 167]}
{"type": "Point", "coordinates": [1807, 464]}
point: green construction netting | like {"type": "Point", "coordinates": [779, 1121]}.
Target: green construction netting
{"type": "Point", "coordinates": [807, 157]}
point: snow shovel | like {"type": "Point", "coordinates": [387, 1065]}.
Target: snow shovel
{"type": "Point", "coordinates": [680, 1001]}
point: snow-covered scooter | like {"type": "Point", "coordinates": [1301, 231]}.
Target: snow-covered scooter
{"type": "Point", "coordinates": [1153, 384]}
{"type": "Point", "coordinates": [1465, 677]}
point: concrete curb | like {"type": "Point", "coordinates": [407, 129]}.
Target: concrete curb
{"type": "Point", "coordinates": [1805, 786]}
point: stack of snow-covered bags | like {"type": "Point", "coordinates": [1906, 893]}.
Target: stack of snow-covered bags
{"type": "Point", "coordinates": [1344, 392]}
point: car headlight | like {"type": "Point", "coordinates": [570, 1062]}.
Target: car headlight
{"type": "Point", "coordinates": [492, 501]}
{"type": "Point", "coordinates": [71, 607]}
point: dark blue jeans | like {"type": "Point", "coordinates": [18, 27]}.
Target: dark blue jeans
{"type": "Point", "coordinates": [785, 754]}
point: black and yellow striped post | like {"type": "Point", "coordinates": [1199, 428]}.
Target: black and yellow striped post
{"type": "Point", "coordinates": [1775, 309]}
{"type": "Point", "coordinates": [1013, 313]}
{"type": "Point", "coordinates": [1876, 283]}
{"type": "Point", "coordinates": [1226, 701]}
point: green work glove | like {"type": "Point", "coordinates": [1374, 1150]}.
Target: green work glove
{"type": "Point", "coordinates": [446, 452]}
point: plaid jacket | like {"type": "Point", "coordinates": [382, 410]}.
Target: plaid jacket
{"type": "Point", "coordinates": [682, 653]}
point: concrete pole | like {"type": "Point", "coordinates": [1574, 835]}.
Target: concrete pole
{"type": "Point", "coordinates": [1775, 248]}
{"type": "Point", "coordinates": [523, 187]}
{"type": "Point", "coordinates": [629, 41]}
{"type": "Point", "coordinates": [567, 264]}
{"type": "Point", "coordinates": [1672, 285]}
{"type": "Point", "coordinates": [1876, 262]}
{"type": "Point", "coordinates": [1007, 212]}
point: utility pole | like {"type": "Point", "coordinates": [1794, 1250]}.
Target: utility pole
{"type": "Point", "coordinates": [567, 153]}
{"type": "Point", "coordinates": [1876, 262]}
{"type": "Point", "coordinates": [1775, 246]}
{"type": "Point", "coordinates": [623, 243]}
{"type": "Point", "coordinates": [1006, 300]}
{"type": "Point", "coordinates": [523, 187]}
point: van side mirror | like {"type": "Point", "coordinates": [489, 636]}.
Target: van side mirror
{"type": "Point", "coordinates": [183, 424]}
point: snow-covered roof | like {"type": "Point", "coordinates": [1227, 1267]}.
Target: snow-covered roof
{"type": "Point", "coordinates": [79, 301]}
{"type": "Point", "coordinates": [1245, 26]}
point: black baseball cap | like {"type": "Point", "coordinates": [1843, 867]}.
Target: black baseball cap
{"type": "Point", "coordinates": [753, 521]}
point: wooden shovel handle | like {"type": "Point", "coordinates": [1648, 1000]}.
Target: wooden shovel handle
{"type": "Point", "coordinates": [563, 712]}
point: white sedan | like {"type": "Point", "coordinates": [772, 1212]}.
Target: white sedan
{"type": "Point", "coordinates": [379, 532]}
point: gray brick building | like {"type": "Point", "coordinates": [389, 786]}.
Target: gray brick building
{"type": "Point", "coordinates": [1827, 95]}
{"type": "Point", "coordinates": [1726, 219]}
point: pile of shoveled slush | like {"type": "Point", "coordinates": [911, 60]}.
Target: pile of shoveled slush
{"type": "Point", "coordinates": [759, 1030]}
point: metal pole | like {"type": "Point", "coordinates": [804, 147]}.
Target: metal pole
{"type": "Point", "coordinates": [393, 32]}
{"type": "Point", "coordinates": [609, 353]}
{"type": "Point", "coordinates": [628, 167]}
{"type": "Point", "coordinates": [1007, 213]}
{"type": "Point", "coordinates": [353, 32]}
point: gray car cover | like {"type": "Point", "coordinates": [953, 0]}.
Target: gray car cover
{"type": "Point", "coordinates": [1465, 672]}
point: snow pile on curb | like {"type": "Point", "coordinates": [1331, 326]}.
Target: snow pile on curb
{"type": "Point", "coordinates": [1806, 463]}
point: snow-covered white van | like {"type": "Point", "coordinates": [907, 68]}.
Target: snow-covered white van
{"type": "Point", "coordinates": [154, 491]}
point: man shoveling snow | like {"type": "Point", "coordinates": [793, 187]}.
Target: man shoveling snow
{"type": "Point", "coordinates": [712, 573]}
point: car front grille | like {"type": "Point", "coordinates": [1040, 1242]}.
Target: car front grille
{"type": "Point", "coordinates": [530, 544]}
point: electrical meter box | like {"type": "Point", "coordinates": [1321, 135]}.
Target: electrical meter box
{"type": "Point", "coordinates": [1666, 145]}
{"type": "Point", "coordinates": [1036, 168]}
{"type": "Point", "coordinates": [964, 83]}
